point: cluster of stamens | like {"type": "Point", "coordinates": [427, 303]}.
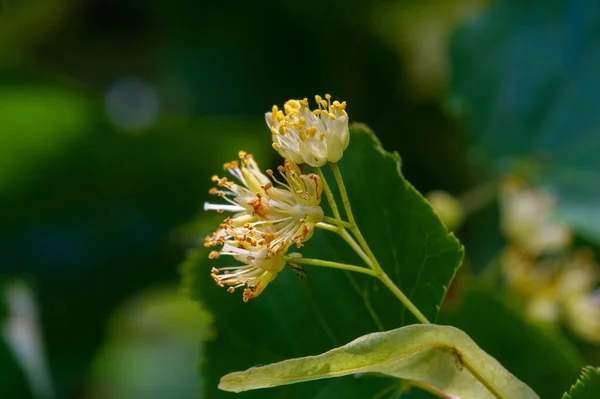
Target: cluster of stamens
{"type": "Point", "coordinates": [267, 220]}
{"type": "Point", "coordinates": [313, 137]}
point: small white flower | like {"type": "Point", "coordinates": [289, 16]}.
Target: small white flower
{"type": "Point", "coordinates": [313, 137]}
{"type": "Point", "coordinates": [259, 268]}
{"type": "Point", "coordinates": [527, 219]}
{"type": "Point", "coordinates": [283, 215]}
{"type": "Point", "coordinates": [583, 315]}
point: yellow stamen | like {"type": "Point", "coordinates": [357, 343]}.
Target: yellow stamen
{"type": "Point", "coordinates": [311, 131]}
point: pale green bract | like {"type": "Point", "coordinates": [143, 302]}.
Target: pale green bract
{"type": "Point", "coordinates": [440, 357]}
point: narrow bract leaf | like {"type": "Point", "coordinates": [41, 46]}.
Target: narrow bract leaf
{"type": "Point", "coordinates": [587, 386]}
{"type": "Point", "coordinates": [442, 357]}
{"type": "Point", "coordinates": [538, 354]}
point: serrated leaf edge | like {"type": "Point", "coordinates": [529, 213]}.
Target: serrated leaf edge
{"type": "Point", "coordinates": [398, 160]}
{"type": "Point", "coordinates": [580, 383]}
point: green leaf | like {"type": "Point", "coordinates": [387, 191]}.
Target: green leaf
{"type": "Point", "coordinates": [439, 356]}
{"type": "Point", "coordinates": [38, 124]}
{"type": "Point", "coordinates": [408, 239]}
{"type": "Point", "coordinates": [539, 356]}
{"type": "Point", "coordinates": [525, 76]}
{"type": "Point", "coordinates": [13, 382]}
{"type": "Point", "coordinates": [587, 386]}
{"type": "Point", "coordinates": [294, 318]}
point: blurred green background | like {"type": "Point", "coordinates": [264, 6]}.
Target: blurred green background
{"type": "Point", "coordinates": [114, 115]}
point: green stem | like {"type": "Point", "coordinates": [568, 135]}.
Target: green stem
{"type": "Point", "coordinates": [342, 232]}
{"type": "Point", "coordinates": [348, 238]}
{"type": "Point", "coordinates": [327, 226]}
{"type": "Point", "coordinates": [326, 263]}
{"type": "Point", "coordinates": [328, 194]}
{"type": "Point", "coordinates": [337, 222]}
{"type": "Point", "coordinates": [374, 264]}
{"type": "Point", "coordinates": [387, 281]}
{"type": "Point", "coordinates": [346, 202]}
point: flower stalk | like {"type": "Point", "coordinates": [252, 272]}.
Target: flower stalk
{"type": "Point", "coordinates": [364, 250]}
{"type": "Point", "coordinates": [326, 263]}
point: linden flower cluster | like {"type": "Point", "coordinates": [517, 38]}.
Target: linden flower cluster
{"type": "Point", "coordinates": [555, 282]}
{"type": "Point", "coordinates": [270, 214]}
{"type": "Point", "coordinates": [313, 137]}
{"type": "Point", "coordinates": [266, 221]}
{"type": "Point", "coordinates": [557, 289]}
{"type": "Point", "coordinates": [527, 221]}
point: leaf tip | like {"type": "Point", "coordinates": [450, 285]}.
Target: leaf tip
{"type": "Point", "coordinates": [230, 383]}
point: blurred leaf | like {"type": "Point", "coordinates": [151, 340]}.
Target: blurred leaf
{"type": "Point", "coordinates": [540, 357]}
{"type": "Point", "coordinates": [438, 356]}
{"type": "Point", "coordinates": [101, 213]}
{"type": "Point", "coordinates": [155, 328]}
{"type": "Point", "coordinates": [23, 25]}
{"type": "Point", "coordinates": [418, 31]}
{"type": "Point", "coordinates": [12, 379]}
{"type": "Point", "coordinates": [295, 318]}
{"type": "Point", "coordinates": [37, 124]}
{"type": "Point", "coordinates": [587, 386]}
{"type": "Point", "coordinates": [525, 75]}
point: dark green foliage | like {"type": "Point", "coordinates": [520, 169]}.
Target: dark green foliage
{"type": "Point", "coordinates": [525, 75]}
{"type": "Point", "coordinates": [587, 386]}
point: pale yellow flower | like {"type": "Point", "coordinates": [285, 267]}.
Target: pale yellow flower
{"type": "Point", "coordinates": [259, 267]}
{"type": "Point", "coordinates": [313, 137]}
{"type": "Point", "coordinates": [267, 219]}
{"type": "Point", "coordinates": [527, 219]}
{"type": "Point", "coordinates": [287, 214]}
{"type": "Point", "coordinates": [582, 313]}
{"type": "Point", "coordinates": [558, 288]}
